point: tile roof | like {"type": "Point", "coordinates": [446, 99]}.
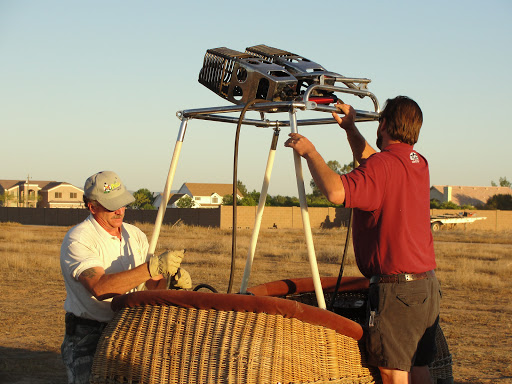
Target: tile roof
{"type": "Point", "coordinates": [42, 184]}
{"type": "Point", "coordinates": [208, 189]}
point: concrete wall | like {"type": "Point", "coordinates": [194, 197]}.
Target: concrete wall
{"type": "Point", "coordinates": [284, 217]}
{"type": "Point", "coordinates": [70, 216]}
{"type": "Point", "coordinates": [280, 217]}
{"type": "Point", "coordinates": [494, 220]}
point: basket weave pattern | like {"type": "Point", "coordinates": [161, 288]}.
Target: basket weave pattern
{"type": "Point", "coordinates": [170, 344]}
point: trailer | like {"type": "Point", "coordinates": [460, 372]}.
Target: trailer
{"type": "Point", "coordinates": [453, 219]}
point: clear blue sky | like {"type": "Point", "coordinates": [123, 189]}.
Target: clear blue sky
{"type": "Point", "coordinates": [95, 85]}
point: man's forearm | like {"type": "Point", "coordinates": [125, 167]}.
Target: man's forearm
{"type": "Point", "coordinates": [360, 148]}
{"type": "Point", "coordinates": [328, 181]}
{"type": "Point", "coordinates": [104, 286]}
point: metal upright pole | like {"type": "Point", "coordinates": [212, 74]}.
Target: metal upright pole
{"type": "Point", "coordinates": [259, 213]}
{"type": "Point", "coordinates": [305, 219]}
{"type": "Point", "coordinates": [167, 189]}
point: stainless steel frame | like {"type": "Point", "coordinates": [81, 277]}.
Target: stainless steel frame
{"type": "Point", "coordinates": [291, 107]}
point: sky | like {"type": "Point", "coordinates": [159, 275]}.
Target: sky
{"type": "Point", "coordinates": [87, 86]}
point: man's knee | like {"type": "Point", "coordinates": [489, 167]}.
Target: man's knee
{"type": "Point", "coordinates": [393, 376]}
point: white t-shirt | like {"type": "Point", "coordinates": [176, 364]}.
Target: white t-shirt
{"type": "Point", "coordinates": [88, 245]}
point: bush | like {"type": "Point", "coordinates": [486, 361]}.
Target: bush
{"type": "Point", "coordinates": [503, 202]}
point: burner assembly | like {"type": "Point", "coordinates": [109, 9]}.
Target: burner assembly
{"type": "Point", "coordinates": [272, 74]}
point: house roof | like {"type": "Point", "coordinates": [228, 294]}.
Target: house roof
{"type": "Point", "coordinates": [8, 184]}
{"type": "Point", "coordinates": [462, 195]}
{"type": "Point", "coordinates": [41, 184]}
{"type": "Point", "coordinates": [208, 189]}
{"type": "Point", "coordinates": [55, 184]}
{"type": "Point", "coordinates": [175, 197]}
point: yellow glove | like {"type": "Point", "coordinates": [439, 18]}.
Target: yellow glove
{"type": "Point", "coordinates": [166, 264]}
{"type": "Point", "coordinates": [181, 280]}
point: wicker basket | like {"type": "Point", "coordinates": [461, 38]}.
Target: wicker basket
{"type": "Point", "coordinates": [162, 343]}
{"type": "Point", "coordinates": [350, 303]}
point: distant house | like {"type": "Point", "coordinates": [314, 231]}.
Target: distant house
{"type": "Point", "coordinates": [204, 195]}
{"type": "Point", "coordinates": [41, 194]}
{"type": "Point", "coordinates": [462, 195]}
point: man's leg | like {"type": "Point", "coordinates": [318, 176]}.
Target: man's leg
{"type": "Point", "coordinates": [394, 376]}
{"type": "Point", "coordinates": [421, 375]}
{"type": "Point", "coordinates": [78, 350]}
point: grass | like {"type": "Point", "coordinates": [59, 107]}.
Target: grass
{"type": "Point", "coordinates": [474, 268]}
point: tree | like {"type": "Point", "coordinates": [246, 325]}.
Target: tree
{"type": "Point", "coordinates": [227, 200]}
{"type": "Point", "coordinates": [6, 197]}
{"type": "Point", "coordinates": [241, 187]}
{"type": "Point", "coordinates": [448, 205]}
{"type": "Point", "coordinates": [503, 202]}
{"type": "Point", "coordinates": [143, 199]}
{"type": "Point", "coordinates": [503, 183]}
{"type": "Point", "coordinates": [186, 202]}
{"type": "Point", "coordinates": [283, 201]}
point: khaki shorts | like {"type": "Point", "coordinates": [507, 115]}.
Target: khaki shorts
{"type": "Point", "coordinates": [401, 323]}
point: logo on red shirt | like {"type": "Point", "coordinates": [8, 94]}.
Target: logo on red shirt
{"type": "Point", "coordinates": [414, 157]}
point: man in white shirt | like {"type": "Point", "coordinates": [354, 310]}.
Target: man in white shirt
{"type": "Point", "coordinates": [103, 257]}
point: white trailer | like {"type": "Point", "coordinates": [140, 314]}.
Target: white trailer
{"type": "Point", "coordinates": [453, 219]}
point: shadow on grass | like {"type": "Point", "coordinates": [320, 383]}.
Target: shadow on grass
{"type": "Point", "coordinates": [21, 366]}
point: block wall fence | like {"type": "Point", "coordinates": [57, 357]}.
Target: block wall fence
{"type": "Point", "coordinates": [273, 217]}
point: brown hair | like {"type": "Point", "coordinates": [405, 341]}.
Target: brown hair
{"type": "Point", "coordinates": [403, 119]}
{"type": "Point", "coordinates": [87, 201]}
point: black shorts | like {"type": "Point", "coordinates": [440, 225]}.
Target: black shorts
{"type": "Point", "coordinates": [402, 322]}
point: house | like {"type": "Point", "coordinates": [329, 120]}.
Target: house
{"type": "Point", "coordinates": [40, 194]}
{"type": "Point", "coordinates": [204, 195]}
{"type": "Point", "coordinates": [461, 195]}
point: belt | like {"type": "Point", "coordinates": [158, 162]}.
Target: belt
{"type": "Point", "coordinates": [72, 321]}
{"type": "Point", "coordinates": [401, 277]}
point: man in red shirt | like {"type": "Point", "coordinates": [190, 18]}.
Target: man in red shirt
{"type": "Point", "coordinates": [393, 245]}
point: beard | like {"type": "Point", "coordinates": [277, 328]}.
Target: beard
{"type": "Point", "coordinates": [379, 141]}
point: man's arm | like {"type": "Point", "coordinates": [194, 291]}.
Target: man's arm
{"type": "Point", "coordinates": [103, 286]}
{"type": "Point", "coordinates": [328, 181]}
{"type": "Point", "coordinates": [360, 147]}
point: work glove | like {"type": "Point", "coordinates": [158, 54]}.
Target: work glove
{"type": "Point", "coordinates": [180, 280]}
{"type": "Point", "coordinates": [166, 264]}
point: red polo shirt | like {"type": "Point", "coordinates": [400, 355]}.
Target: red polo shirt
{"type": "Point", "coordinates": [390, 192]}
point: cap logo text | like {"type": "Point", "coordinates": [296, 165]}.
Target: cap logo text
{"type": "Point", "coordinates": [107, 188]}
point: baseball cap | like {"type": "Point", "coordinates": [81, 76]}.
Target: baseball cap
{"type": "Point", "coordinates": [108, 190]}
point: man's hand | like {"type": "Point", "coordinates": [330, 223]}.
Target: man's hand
{"type": "Point", "coordinates": [348, 121]}
{"type": "Point", "coordinates": [166, 264]}
{"type": "Point", "coordinates": [180, 280]}
{"type": "Point", "coordinates": [300, 144]}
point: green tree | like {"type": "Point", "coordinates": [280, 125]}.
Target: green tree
{"type": "Point", "coordinates": [241, 187]}
{"type": "Point", "coordinates": [6, 197]}
{"type": "Point", "coordinates": [448, 205]}
{"type": "Point", "coordinates": [227, 200]}
{"type": "Point", "coordinates": [186, 202]}
{"type": "Point", "coordinates": [143, 199]}
{"type": "Point", "coordinates": [347, 168]}
{"type": "Point", "coordinates": [283, 201]}
{"type": "Point", "coordinates": [503, 183]}
{"type": "Point", "coordinates": [502, 201]}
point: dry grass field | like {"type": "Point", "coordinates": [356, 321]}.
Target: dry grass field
{"type": "Point", "coordinates": [474, 269]}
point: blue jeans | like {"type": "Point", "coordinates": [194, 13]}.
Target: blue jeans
{"type": "Point", "coordinates": [78, 349]}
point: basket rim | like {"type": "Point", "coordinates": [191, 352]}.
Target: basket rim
{"type": "Point", "coordinates": [241, 303]}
